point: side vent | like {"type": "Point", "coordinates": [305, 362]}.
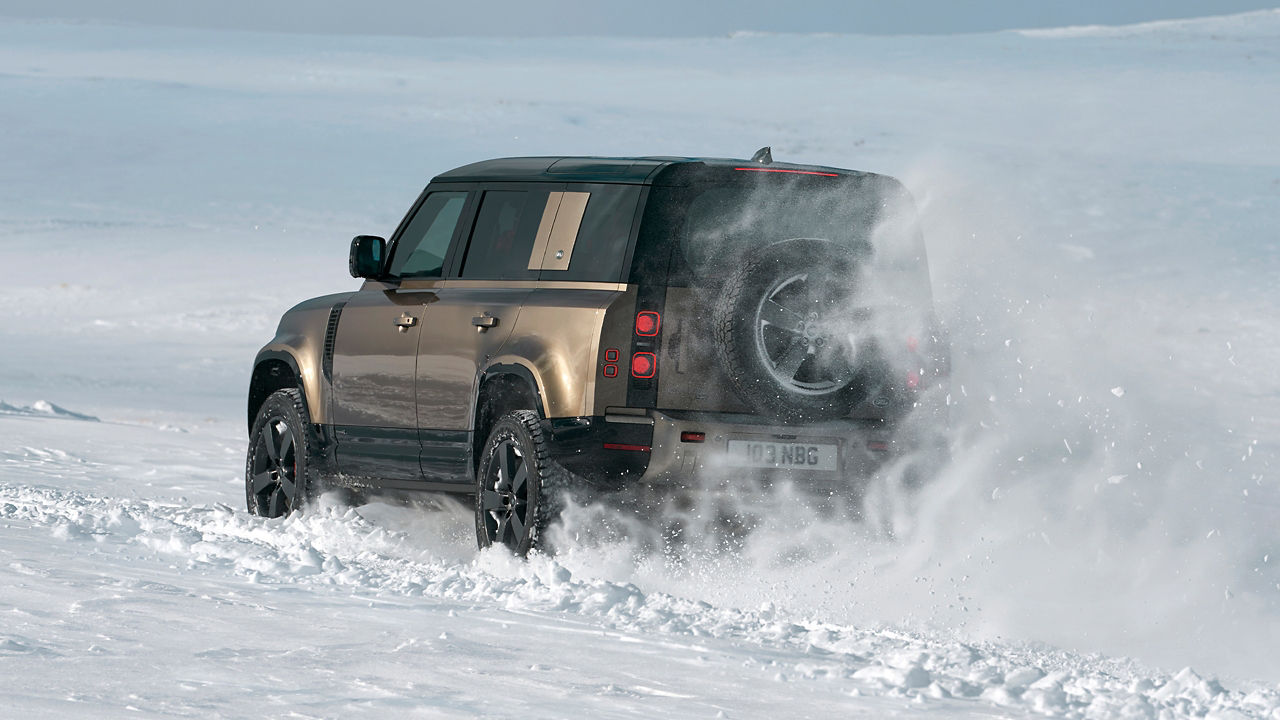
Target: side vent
{"type": "Point", "coordinates": [330, 333]}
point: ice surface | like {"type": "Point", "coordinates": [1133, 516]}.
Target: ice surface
{"type": "Point", "coordinates": [1100, 208]}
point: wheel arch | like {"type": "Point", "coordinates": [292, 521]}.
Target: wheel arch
{"type": "Point", "coordinates": [503, 387]}
{"type": "Point", "coordinates": [272, 370]}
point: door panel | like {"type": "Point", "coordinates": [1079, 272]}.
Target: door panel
{"type": "Point", "coordinates": [474, 315]}
{"type": "Point", "coordinates": [453, 348]}
{"type": "Point", "coordinates": [374, 367]}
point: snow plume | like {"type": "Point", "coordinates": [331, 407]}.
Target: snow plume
{"type": "Point", "coordinates": [1102, 494]}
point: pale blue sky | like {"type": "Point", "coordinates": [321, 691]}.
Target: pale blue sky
{"type": "Point", "coordinates": [630, 17]}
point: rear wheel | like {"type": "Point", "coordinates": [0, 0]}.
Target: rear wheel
{"type": "Point", "coordinates": [279, 465]}
{"type": "Point", "coordinates": [517, 485]}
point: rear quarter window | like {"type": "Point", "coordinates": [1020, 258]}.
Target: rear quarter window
{"type": "Point", "coordinates": [600, 250]}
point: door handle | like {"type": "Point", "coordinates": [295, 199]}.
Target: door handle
{"type": "Point", "coordinates": [484, 321]}
{"type": "Point", "coordinates": [406, 321]}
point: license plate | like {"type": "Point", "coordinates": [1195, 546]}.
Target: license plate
{"type": "Point", "coordinates": [785, 455]}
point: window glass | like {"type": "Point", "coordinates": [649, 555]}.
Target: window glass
{"type": "Point", "coordinates": [712, 227]}
{"type": "Point", "coordinates": [601, 246]}
{"type": "Point", "coordinates": [421, 250]}
{"type": "Point", "coordinates": [503, 235]}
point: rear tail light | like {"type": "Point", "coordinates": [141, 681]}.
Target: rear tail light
{"type": "Point", "coordinates": [913, 379]}
{"type": "Point", "coordinates": [913, 344]}
{"type": "Point", "coordinates": [648, 323]}
{"type": "Point", "coordinates": [693, 437]}
{"type": "Point", "coordinates": [644, 365]}
{"type": "Point", "coordinates": [877, 445]}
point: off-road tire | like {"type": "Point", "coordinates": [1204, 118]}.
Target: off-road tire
{"type": "Point", "coordinates": [517, 502]}
{"type": "Point", "coordinates": [282, 475]}
{"type": "Point", "coordinates": [739, 339]}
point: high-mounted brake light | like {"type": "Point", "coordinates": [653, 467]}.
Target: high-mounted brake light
{"type": "Point", "coordinates": [790, 172]}
{"type": "Point", "coordinates": [644, 365]}
{"type": "Point", "coordinates": [648, 323]}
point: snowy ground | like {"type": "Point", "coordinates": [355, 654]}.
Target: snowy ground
{"type": "Point", "coordinates": [1100, 205]}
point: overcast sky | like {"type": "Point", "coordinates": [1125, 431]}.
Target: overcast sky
{"type": "Point", "coordinates": [626, 17]}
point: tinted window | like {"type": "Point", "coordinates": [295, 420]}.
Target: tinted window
{"type": "Point", "coordinates": [420, 251]}
{"type": "Point", "coordinates": [502, 239]}
{"type": "Point", "coordinates": [708, 229]}
{"type": "Point", "coordinates": [601, 247]}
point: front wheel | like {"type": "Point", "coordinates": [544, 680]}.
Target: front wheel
{"type": "Point", "coordinates": [517, 485]}
{"type": "Point", "coordinates": [279, 465]}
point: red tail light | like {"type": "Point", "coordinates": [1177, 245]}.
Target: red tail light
{"type": "Point", "coordinates": [693, 437]}
{"type": "Point", "coordinates": [647, 323]}
{"type": "Point", "coordinates": [913, 379]}
{"type": "Point", "coordinates": [644, 365]}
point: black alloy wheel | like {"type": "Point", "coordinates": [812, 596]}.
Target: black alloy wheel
{"type": "Point", "coordinates": [505, 498]}
{"type": "Point", "coordinates": [516, 485]}
{"type": "Point", "coordinates": [279, 450]}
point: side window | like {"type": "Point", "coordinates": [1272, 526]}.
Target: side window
{"type": "Point", "coordinates": [421, 250]}
{"type": "Point", "coordinates": [601, 245]}
{"type": "Point", "coordinates": [503, 236]}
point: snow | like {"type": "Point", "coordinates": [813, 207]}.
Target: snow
{"type": "Point", "coordinates": [1100, 206]}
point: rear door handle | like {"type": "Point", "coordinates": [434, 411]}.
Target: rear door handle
{"type": "Point", "coordinates": [483, 321]}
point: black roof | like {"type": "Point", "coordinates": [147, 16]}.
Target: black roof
{"type": "Point", "coordinates": [633, 170]}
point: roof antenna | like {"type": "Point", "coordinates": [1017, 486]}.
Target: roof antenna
{"type": "Point", "coordinates": [764, 156]}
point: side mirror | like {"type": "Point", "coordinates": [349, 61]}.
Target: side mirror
{"type": "Point", "coordinates": [366, 256]}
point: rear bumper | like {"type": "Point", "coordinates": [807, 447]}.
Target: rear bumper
{"type": "Point", "coordinates": [861, 447]}
{"type": "Point", "coordinates": [634, 448]}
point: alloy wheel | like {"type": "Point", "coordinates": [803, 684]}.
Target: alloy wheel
{"type": "Point", "coordinates": [274, 473]}
{"type": "Point", "coordinates": [505, 501]}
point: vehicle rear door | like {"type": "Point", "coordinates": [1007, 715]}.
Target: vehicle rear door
{"type": "Point", "coordinates": [473, 315]}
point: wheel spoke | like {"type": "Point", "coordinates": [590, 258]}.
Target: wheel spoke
{"type": "Point", "coordinates": [286, 443]}
{"type": "Point", "coordinates": [490, 501]}
{"type": "Point", "coordinates": [780, 317]}
{"type": "Point", "coordinates": [795, 356]}
{"type": "Point", "coordinates": [500, 534]}
{"type": "Point", "coordinates": [268, 439]}
{"type": "Point", "coordinates": [521, 476]}
{"type": "Point", "coordinates": [505, 460]}
{"type": "Point", "coordinates": [261, 481]}
{"type": "Point", "coordinates": [273, 505]}
{"type": "Point", "coordinates": [517, 528]}
{"type": "Point", "coordinates": [288, 487]}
